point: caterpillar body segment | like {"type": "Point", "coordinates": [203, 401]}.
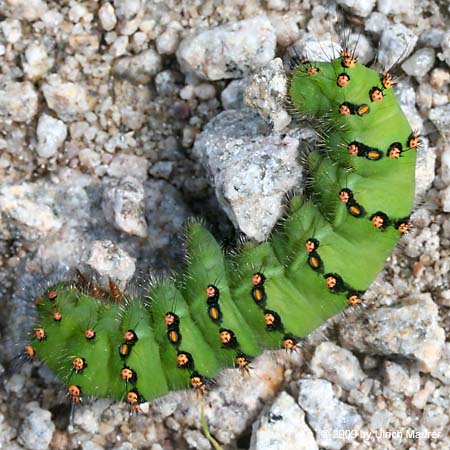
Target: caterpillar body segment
{"type": "Point", "coordinates": [224, 310]}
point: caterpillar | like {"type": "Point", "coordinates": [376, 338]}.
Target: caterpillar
{"type": "Point", "coordinates": [223, 310]}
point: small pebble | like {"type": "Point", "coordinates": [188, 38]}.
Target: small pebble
{"type": "Point", "coordinates": [140, 68]}
{"type": "Point", "coordinates": [51, 134]}
{"type": "Point", "coordinates": [107, 16]}
{"type": "Point", "coordinates": [228, 51]}
{"type": "Point", "coordinates": [111, 262]}
{"type": "Point", "coordinates": [360, 8]}
{"type": "Point", "coordinates": [37, 429]}
{"type": "Point", "coordinates": [420, 62]}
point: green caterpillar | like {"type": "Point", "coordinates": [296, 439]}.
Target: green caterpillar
{"type": "Point", "coordinates": [223, 310]}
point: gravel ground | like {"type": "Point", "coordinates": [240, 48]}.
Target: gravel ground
{"type": "Point", "coordinates": [122, 119]}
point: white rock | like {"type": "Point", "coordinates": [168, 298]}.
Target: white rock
{"type": "Point", "coordinates": [442, 371]}
{"type": "Point", "coordinates": [445, 44]}
{"type": "Point", "coordinates": [396, 7]}
{"type": "Point", "coordinates": [232, 97]}
{"type": "Point", "coordinates": [315, 49]}
{"type": "Point", "coordinates": [12, 30]}
{"type": "Point", "coordinates": [51, 134]}
{"type": "Point", "coordinates": [30, 10]}
{"type": "Point", "coordinates": [420, 62]}
{"type": "Point", "coordinates": [440, 116]}
{"type": "Point", "coordinates": [204, 91]}
{"type": "Point", "coordinates": [20, 204]}
{"type": "Point", "coordinates": [78, 12]}
{"type": "Point", "coordinates": [376, 23]}
{"type": "Point", "coordinates": [396, 43]}
{"type": "Point", "coordinates": [228, 51]}
{"type": "Point", "coordinates": [107, 16]}
{"type": "Point", "coordinates": [400, 379]}
{"type": "Point", "coordinates": [234, 143]}
{"type": "Point", "coordinates": [37, 428]}
{"type": "Point", "coordinates": [125, 164]}
{"type": "Point", "coordinates": [140, 68]}
{"type": "Point", "coordinates": [36, 62]}
{"type": "Point", "coordinates": [119, 46]}
{"type": "Point", "coordinates": [326, 414]}
{"type": "Point", "coordinates": [69, 100]}
{"type": "Point", "coordinates": [266, 93]}
{"type": "Point", "coordinates": [167, 42]}
{"type": "Point", "coordinates": [363, 47]}
{"type": "Point", "coordinates": [52, 19]}
{"type": "Point", "coordinates": [123, 205]}
{"type": "Point", "coordinates": [286, 28]}
{"type": "Point", "coordinates": [360, 8]}
{"type": "Point", "coordinates": [278, 5]}
{"type": "Point", "coordinates": [337, 365]}
{"type": "Point", "coordinates": [18, 101]}
{"type": "Point", "coordinates": [411, 330]}
{"type": "Point", "coordinates": [89, 158]}
{"type": "Point", "coordinates": [283, 427]}
{"type": "Point", "coordinates": [111, 262]}
{"type": "Point", "coordinates": [187, 92]}
{"type": "Point", "coordinates": [420, 399]}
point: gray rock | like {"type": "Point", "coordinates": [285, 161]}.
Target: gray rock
{"type": "Point", "coordinates": [434, 418]}
{"type": "Point", "coordinates": [165, 211]}
{"type": "Point", "coordinates": [406, 95]}
{"type": "Point", "coordinates": [376, 23]}
{"type": "Point", "coordinates": [425, 168]}
{"type": "Point", "coordinates": [326, 414]}
{"type": "Point", "coordinates": [396, 43]}
{"type": "Point", "coordinates": [89, 158]}
{"type": "Point", "coordinates": [420, 398]}
{"type": "Point", "coordinates": [123, 205]}
{"type": "Point", "coordinates": [411, 330]}
{"type": "Point", "coordinates": [29, 10]}
{"type": "Point", "coordinates": [69, 100]}
{"type": "Point", "coordinates": [107, 16]}
{"type": "Point", "coordinates": [420, 62]}
{"type": "Point", "coordinates": [228, 51]}
{"type": "Point", "coordinates": [37, 428]}
{"type": "Point", "coordinates": [232, 97]}
{"type": "Point", "coordinates": [399, 379]}
{"type": "Point", "coordinates": [111, 262]}
{"type": "Point", "coordinates": [286, 28]}
{"type": "Point", "coordinates": [18, 101]}
{"type": "Point", "coordinates": [315, 49]}
{"type": "Point", "coordinates": [395, 7]}
{"type": "Point", "coordinates": [440, 116]}
{"type": "Point", "coordinates": [167, 42]}
{"type": "Point", "coordinates": [51, 134]}
{"type": "Point", "coordinates": [235, 143]}
{"type": "Point", "coordinates": [431, 37]}
{"type": "Point", "coordinates": [363, 47]}
{"type": "Point", "coordinates": [37, 62]}
{"type": "Point", "coordinates": [360, 8]}
{"type": "Point", "coordinates": [11, 30]}
{"type": "Point", "coordinates": [442, 370]}
{"type": "Point", "coordinates": [128, 164]}
{"type": "Point", "coordinates": [140, 68]}
{"type": "Point", "coordinates": [283, 427]}
{"type": "Point", "coordinates": [266, 93]}
{"type": "Point", "coordinates": [337, 365]}
{"type": "Point", "coordinates": [445, 44]}
{"type": "Point", "coordinates": [196, 439]}
{"type": "Point", "coordinates": [29, 210]}
{"type": "Point", "coordinates": [7, 433]}
{"type": "Point", "coordinates": [236, 399]}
